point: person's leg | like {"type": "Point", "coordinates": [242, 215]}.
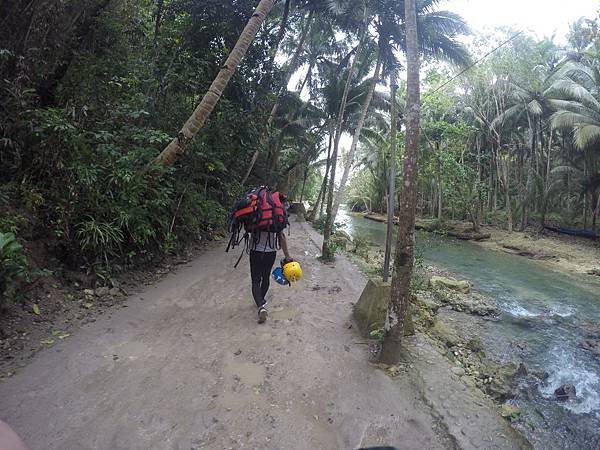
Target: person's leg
{"type": "Point", "coordinates": [256, 275]}
{"type": "Point", "coordinates": [267, 266]}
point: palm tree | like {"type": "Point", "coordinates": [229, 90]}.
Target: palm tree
{"type": "Point", "coordinates": [292, 66]}
{"type": "Point", "coordinates": [438, 31]}
{"type": "Point", "coordinates": [392, 186]}
{"type": "Point", "coordinates": [326, 250]}
{"type": "Point", "coordinates": [577, 102]}
{"type": "Point", "coordinates": [403, 261]}
{"type": "Point", "coordinates": [335, 11]}
{"type": "Point", "coordinates": [177, 146]}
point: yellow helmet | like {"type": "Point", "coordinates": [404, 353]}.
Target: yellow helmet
{"type": "Point", "coordinates": [292, 271]}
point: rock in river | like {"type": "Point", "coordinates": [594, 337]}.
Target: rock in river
{"type": "Point", "coordinates": [566, 392]}
{"type": "Point", "coordinates": [448, 283]}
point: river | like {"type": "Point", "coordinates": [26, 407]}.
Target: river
{"type": "Point", "coordinates": [544, 313]}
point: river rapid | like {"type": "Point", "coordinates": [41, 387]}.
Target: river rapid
{"type": "Point", "coordinates": [546, 318]}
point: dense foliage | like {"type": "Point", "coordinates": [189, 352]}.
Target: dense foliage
{"type": "Point", "coordinates": [90, 93]}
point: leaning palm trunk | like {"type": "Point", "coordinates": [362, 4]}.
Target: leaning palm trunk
{"type": "Point", "coordinates": [405, 245]}
{"type": "Point", "coordinates": [267, 131]}
{"type": "Point", "coordinates": [326, 251]}
{"type": "Point", "coordinates": [177, 146]}
{"type": "Point", "coordinates": [356, 137]}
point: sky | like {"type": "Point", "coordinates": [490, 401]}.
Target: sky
{"type": "Point", "coordinates": [540, 17]}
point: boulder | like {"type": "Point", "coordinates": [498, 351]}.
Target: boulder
{"type": "Point", "coordinates": [101, 291]}
{"type": "Point", "coordinates": [115, 291]}
{"type": "Point", "coordinates": [424, 310]}
{"type": "Point", "coordinates": [510, 412]}
{"type": "Point", "coordinates": [458, 371]}
{"type": "Point", "coordinates": [343, 235]}
{"type": "Point", "coordinates": [565, 392]}
{"type": "Point", "coordinates": [443, 333]}
{"type": "Point", "coordinates": [342, 239]}
{"type": "Point", "coordinates": [501, 379]}
{"type": "Point", "coordinates": [473, 303]}
{"type": "Point", "coordinates": [448, 283]}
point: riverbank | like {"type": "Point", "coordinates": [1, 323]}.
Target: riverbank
{"type": "Point", "coordinates": [542, 333]}
{"type": "Point", "coordinates": [558, 252]}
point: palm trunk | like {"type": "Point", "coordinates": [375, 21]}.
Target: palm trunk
{"type": "Point", "coordinates": [405, 246]}
{"type": "Point", "coordinates": [321, 196]}
{"type": "Point", "coordinates": [177, 146]}
{"type": "Point", "coordinates": [504, 169]}
{"type": "Point", "coordinates": [392, 180]}
{"type": "Point", "coordinates": [356, 137]}
{"type": "Point", "coordinates": [439, 181]}
{"type": "Point", "coordinates": [281, 32]}
{"type": "Point", "coordinates": [265, 135]}
{"type": "Point", "coordinates": [326, 252]}
{"type": "Point", "coordinates": [303, 184]}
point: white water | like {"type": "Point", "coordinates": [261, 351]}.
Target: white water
{"type": "Point", "coordinates": [567, 368]}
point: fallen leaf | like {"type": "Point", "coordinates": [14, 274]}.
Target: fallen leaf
{"type": "Point", "coordinates": [60, 334]}
{"type": "Point", "coordinates": [47, 341]}
{"type": "Point", "coordinates": [88, 305]}
{"type": "Point", "coordinates": [36, 309]}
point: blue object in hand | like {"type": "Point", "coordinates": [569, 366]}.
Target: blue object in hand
{"type": "Point", "coordinates": [279, 277]}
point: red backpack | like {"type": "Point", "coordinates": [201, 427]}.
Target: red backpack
{"type": "Point", "coordinates": [259, 209]}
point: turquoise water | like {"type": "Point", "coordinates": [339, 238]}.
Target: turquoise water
{"type": "Point", "coordinates": [542, 311]}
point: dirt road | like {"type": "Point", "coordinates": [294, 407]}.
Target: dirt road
{"type": "Point", "coordinates": [185, 366]}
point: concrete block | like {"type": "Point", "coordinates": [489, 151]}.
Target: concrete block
{"type": "Point", "coordinates": [370, 311]}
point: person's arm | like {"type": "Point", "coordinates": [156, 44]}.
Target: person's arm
{"type": "Point", "coordinates": [284, 247]}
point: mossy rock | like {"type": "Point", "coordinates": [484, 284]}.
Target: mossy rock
{"type": "Point", "coordinates": [475, 345]}
{"type": "Point", "coordinates": [510, 412]}
{"type": "Point", "coordinates": [444, 334]}
{"type": "Point", "coordinates": [448, 283]}
{"type": "Point", "coordinates": [503, 379]}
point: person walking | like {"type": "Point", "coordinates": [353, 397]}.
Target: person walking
{"type": "Point", "coordinates": [263, 253]}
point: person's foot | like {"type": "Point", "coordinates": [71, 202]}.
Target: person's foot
{"type": "Point", "coordinates": [262, 314]}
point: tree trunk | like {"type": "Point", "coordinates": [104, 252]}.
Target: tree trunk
{"type": "Point", "coordinates": [281, 32]}
{"type": "Point", "coordinates": [356, 137]}
{"type": "Point", "coordinates": [585, 194]}
{"type": "Point", "coordinates": [326, 252]}
{"type": "Point", "coordinates": [439, 181]}
{"type": "Point", "coordinates": [392, 189]}
{"type": "Point", "coordinates": [405, 246]}
{"type": "Point", "coordinates": [177, 146]}
{"type": "Point", "coordinates": [303, 184]}
{"type": "Point", "coordinates": [265, 135]}
{"type": "Point", "coordinates": [321, 196]}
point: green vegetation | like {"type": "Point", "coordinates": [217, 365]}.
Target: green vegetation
{"type": "Point", "coordinates": [513, 141]}
{"type": "Point", "coordinates": [13, 266]}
